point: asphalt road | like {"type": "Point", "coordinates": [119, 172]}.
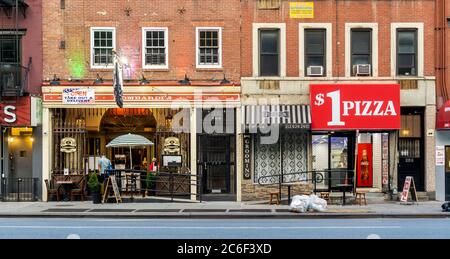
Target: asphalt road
{"type": "Point", "coordinates": [47, 228]}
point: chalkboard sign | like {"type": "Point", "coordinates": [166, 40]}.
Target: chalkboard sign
{"type": "Point", "coordinates": [409, 186]}
{"type": "Point", "coordinates": [112, 183]}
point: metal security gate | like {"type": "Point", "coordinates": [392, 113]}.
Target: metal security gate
{"type": "Point", "coordinates": [69, 141]}
{"type": "Point", "coordinates": [19, 189]}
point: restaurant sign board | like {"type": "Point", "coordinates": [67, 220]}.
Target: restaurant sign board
{"type": "Point", "coordinates": [79, 95]}
{"type": "Point", "coordinates": [355, 106]}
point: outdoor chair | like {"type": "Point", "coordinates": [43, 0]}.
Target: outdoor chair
{"type": "Point", "coordinates": [79, 191]}
{"type": "Point", "coordinates": [51, 191]}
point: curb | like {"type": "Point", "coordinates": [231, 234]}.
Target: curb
{"type": "Point", "coordinates": [225, 216]}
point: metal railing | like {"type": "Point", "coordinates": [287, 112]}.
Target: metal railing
{"type": "Point", "coordinates": [329, 178]}
{"type": "Point", "coordinates": [19, 189]}
{"type": "Point", "coordinates": [163, 184]}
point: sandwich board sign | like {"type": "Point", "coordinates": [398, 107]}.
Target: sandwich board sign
{"type": "Point", "coordinates": [408, 187]}
{"type": "Point", "coordinates": [112, 183]}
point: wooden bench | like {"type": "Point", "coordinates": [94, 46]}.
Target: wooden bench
{"type": "Point", "coordinates": [360, 196]}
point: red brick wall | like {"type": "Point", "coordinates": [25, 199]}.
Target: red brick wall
{"type": "Point", "coordinates": [31, 41]}
{"type": "Point", "coordinates": [73, 25]}
{"type": "Point", "coordinates": [338, 13]}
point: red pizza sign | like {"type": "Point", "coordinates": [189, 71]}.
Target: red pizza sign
{"type": "Point", "coordinates": [354, 106]}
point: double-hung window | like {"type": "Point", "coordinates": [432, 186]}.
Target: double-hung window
{"type": "Point", "coordinates": [103, 42]}
{"type": "Point", "coordinates": [315, 52]}
{"type": "Point", "coordinates": [155, 47]}
{"type": "Point", "coordinates": [407, 52]}
{"type": "Point", "coordinates": [269, 52]}
{"type": "Point", "coordinates": [361, 50]}
{"type": "Point", "coordinates": [209, 47]}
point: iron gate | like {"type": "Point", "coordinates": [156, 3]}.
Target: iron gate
{"type": "Point", "coordinates": [19, 189]}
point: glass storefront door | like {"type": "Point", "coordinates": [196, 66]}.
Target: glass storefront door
{"type": "Point", "coordinates": [332, 151]}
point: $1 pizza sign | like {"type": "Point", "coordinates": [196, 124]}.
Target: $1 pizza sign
{"type": "Point", "coordinates": [355, 106]}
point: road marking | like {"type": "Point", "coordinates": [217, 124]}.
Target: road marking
{"type": "Point", "coordinates": [373, 236]}
{"type": "Point", "coordinates": [168, 227]}
{"type": "Point", "coordinates": [73, 236]}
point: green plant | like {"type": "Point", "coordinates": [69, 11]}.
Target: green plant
{"type": "Point", "coordinates": [150, 178]}
{"type": "Point", "coordinates": [93, 183]}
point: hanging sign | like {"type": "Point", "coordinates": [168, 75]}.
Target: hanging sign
{"type": "Point", "coordinates": [365, 166]}
{"type": "Point", "coordinates": [247, 157]}
{"type": "Point", "coordinates": [78, 96]}
{"type": "Point", "coordinates": [355, 106]}
{"type": "Point", "coordinates": [301, 10]}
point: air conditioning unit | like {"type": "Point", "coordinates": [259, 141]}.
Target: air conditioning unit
{"type": "Point", "coordinates": [362, 70]}
{"type": "Point", "coordinates": [314, 71]}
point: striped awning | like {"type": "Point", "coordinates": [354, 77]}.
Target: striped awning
{"type": "Point", "coordinates": [290, 116]}
{"type": "Point", "coordinates": [129, 140]}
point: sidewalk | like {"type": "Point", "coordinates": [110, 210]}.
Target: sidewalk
{"type": "Point", "coordinates": [162, 209]}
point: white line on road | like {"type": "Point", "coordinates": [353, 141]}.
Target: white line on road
{"type": "Point", "coordinates": [168, 227]}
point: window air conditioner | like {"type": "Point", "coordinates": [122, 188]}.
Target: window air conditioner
{"type": "Point", "coordinates": [362, 70]}
{"type": "Point", "coordinates": [315, 71]}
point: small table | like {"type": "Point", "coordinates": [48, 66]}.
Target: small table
{"type": "Point", "coordinates": [344, 188]}
{"type": "Point", "coordinates": [65, 185]}
{"type": "Point", "coordinates": [289, 185]}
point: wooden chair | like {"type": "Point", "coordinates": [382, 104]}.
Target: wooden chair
{"type": "Point", "coordinates": [51, 191]}
{"type": "Point", "coordinates": [276, 195]}
{"type": "Point", "coordinates": [79, 191]}
{"type": "Point", "coordinates": [360, 196]}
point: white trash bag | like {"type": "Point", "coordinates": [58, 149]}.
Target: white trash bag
{"type": "Point", "coordinates": [318, 204]}
{"type": "Point", "coordinates": [300, 204]}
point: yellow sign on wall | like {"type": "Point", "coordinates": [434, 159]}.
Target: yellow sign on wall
{"type": "Point", "coordinates": [301, 9]}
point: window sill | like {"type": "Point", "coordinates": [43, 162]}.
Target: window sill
{"type": "Point", "coordinates": [212, 69]}
{"type": "Point", "coordinates": [150, 69]}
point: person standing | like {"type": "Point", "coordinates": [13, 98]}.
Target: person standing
{"type": "Point", "coordinates": [104, 164]}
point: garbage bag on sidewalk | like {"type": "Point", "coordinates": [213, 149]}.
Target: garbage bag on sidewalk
{"type": "Point", "coordinates": [318, 204]}
{"type": "Point", "coordinates": [300, 204]}
{"type": "Point", "coordinates": [303, 203]}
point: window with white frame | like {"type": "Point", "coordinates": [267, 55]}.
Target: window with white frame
{"type": "Point", "coordinates": [155, 46]}
{"type": "Point", "coordinates": [102, 46]}
{"type": "Point", "coordinates": [209, 47]}
{"type": "Point", "coordinates": [407, 52]}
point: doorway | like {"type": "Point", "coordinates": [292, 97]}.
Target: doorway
{"type": "Point", "coordinates": [447, 173]}
{"type": "Point", "coordinates": [216, 163]}
{"type": "Point", "coordinates": [411, 148]}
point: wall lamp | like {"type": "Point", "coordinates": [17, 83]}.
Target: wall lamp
{"type": "Point", "coordinates": [143, 80]}
{"type": "Point", "coordinates": [225, 81]}
{"type": "Point", "coordinates": [98, 80]}
{"type": "Point", "coordinates": [185, 81]}
{"type": "Point", "coordinates": [55, 80]}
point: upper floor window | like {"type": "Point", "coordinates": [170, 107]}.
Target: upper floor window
{"type": "Point", "coordinates": [269, 52]}
{"type": "Point", "coordinates": [361, 52]}
{"type": "Point", "coordinates": [155, 46]}
{"type": "Point", "coordinates": [209, 47]}
{"type": "Point", "coordinates": [103, 42]}
{"type": "Point", "coordinates": [10, 60]}
{"type": "Point", "coordinates": [407, 52]}
{"type": "Point", "coordinates": [315, 52]}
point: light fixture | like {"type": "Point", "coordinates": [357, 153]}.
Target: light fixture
{"type": "Point", "coordinates": [55, 80]}
{"type": "Point", "coordinates": [185, 81]}
{"type": "Point", "coordinates": [225, 81]}
{"type": "Point", "coordinates": [31, 139]}
{"type": "Point", "coordinates": [143, 80]}
{"type": "Point", "coordinates": [98, 80]}
{"type": "Point", "coordinates": [168, 121]}
{"type": "Point", "coordinates": [10, 139]}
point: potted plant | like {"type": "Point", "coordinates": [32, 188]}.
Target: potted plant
{"type": "Point", "coordinates": [94, 187]}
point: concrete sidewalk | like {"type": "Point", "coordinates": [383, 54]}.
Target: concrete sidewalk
{"type": "Point", "coordinates": [164, 209]}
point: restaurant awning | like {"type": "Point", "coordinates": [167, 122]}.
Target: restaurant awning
{"type": "Point", "coordinates": [443, 117]}
{"type": "Point", "coordinates": [288, 116]}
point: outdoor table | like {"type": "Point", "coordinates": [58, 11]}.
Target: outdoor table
{"type": "Point", "coordinates": [343, 188]}
{"type": "Point", "coordinates": [289, 185]}
{"type": "Point", "coordinates": [65, 185]}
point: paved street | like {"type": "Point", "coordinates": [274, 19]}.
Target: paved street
{"type": "Point", "coordinates": [40, 228]}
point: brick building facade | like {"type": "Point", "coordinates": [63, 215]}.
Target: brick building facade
{"type": "Point", "coordinates": [341, 38]}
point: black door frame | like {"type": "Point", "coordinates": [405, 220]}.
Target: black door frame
{"type": "Point", "coordinates": [351, 136]}
{"type": "Point", "coordinates": [419, 183]}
